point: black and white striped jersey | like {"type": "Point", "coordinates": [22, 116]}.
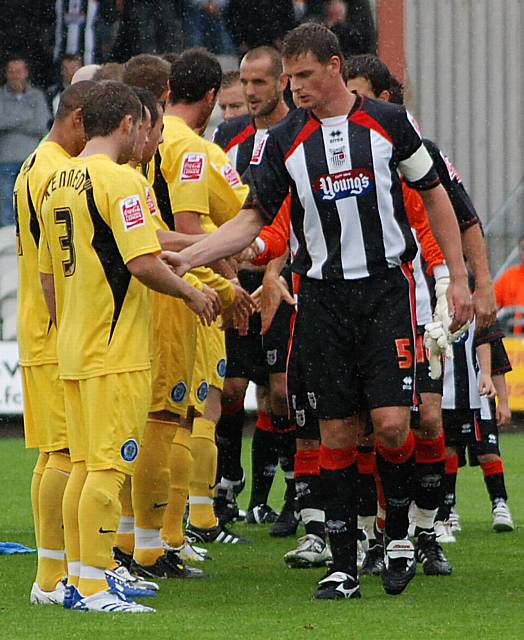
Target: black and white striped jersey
{"type": "Point", "coordinates": [347, 208]}
{"type": "Point", "coordinates": [74, 29]}
{"type": "Point", "coordinates": [237, 138]}
{"type": "Point", "coordinates": [460, 383]}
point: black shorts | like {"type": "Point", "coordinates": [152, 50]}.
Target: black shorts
{"type": "Point", "coordinates": [424, 382]}
{"type": "Point", "coordinates": [299, 409]}
{"type": "Point", "coordinates": [276, 341]}
{"type": "Point", "coordinates": [461, 427]}
{"type": "Point", "coordinates": [355, 340]}
{"type": "Point", "coordinates": [245, 355]}
{"type": "Point", "coordinates": [489, 436]}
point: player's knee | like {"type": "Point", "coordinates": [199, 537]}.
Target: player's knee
{"type": "Point", "coordinates": [233, 392]}
{"type": "Point", "coordinates": [390, 433]}
{"type": "Point", "coordinates": [278, 390]}
{"type": "Point", "coordinates": [306, 444]}
{"type": "Point", "coordinates": [484, 458]}
{"type": "Point", "coordinates": [430, 425]}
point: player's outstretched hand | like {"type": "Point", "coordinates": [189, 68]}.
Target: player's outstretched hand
{"type": "Point", "coordinates": [204, 304]}
{"type": "Point", "coordinates": [249, 253]}
{"type": "Point", "coordinates": [176, 262]}
{"type": "Point", "coordinates": [274, 291]}
{"type": "Point", "coordinates": [244, 306]}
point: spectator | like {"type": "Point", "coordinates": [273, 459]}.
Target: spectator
{"type": "Point", "coordinates": [106, 25]}
{"type": "Point", "coordinates": [509, 289]}
{"type": "Point", "coordinates": [68, 67]}
{"type": "Point", "coordinates": [205, 25]}
{"type": "Point", "coordinates": [352, 22]}
{"type": "Point", "coordinates": [74, 29]}
{"type": "Point", "coordinates": [231, 98]}
{"type": "Point", "coordinates": [24, 115]}
{"type": "Point", "coordinates": [264, 23]}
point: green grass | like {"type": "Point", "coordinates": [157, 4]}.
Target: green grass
{"type": "Point", "coordinates": [251, 594]}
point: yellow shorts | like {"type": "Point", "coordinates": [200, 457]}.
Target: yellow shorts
{"type": "Point", "coordinates": [174, 345]}
{"type": "Point", "coordinates": [106, 417]}
{"type": "Point", "coordinates": [44, 412]}
{"type": "Point", "coordinates": [210, 363]}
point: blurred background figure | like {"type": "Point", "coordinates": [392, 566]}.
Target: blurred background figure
{"type": "Point", "coordinates": [69, 65]}
{"type": "Point", "coordinates": [352, 22]}
{"type": "Point", "coordinates": [509, 291]}
{"type": "Point", "coordinates": [205, 25]}
{"type": "Point", "coordinates": [231, 99]}
{"type": "Point", "coordinates": [24, 116]}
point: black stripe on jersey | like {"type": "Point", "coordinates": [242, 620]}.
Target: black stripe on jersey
{"type": "Point", "coordinates": [34, 226]}
{"type": "Point", "coordinates": [106, 248]}
{"type": "Point", "coordinates": [461, 373]}
{"type": "Point", "coordinates": [367, 203]}
{"type": "Point", "coordinates": [244, 154]}
{"type": "Point", "coordinates": [316, 164]}
{"type": "Point", "coordinates": [162, 194]}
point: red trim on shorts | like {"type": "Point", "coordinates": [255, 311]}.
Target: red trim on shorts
{"type": "Point", "coordinates": [264, 422]}
{"type": "Point", "coordinates": [478, 432]}
{"type": "Point", "coordinates": [337, 459]}
{"type": "Point", "coordinates": [292, 322]}
{"type": "Point", "coordinates": [307, 130]}
{"type": "Point", "coordinates": [307, 463]}
{"type": "Point", "coordinates": [367, 463]}
{"type": "Point", "coordinates": [241, 137]}
{"type": "Point", "coordinates": [492, 468]}
{"type": "Point", "coordinates": [400, 455]}
{"type": "Point", "coordinates": [365, 120]}
{"type": "Point", "coordinates": [451, 465]}
{"type": "Point", "coordinates": [429, 451]}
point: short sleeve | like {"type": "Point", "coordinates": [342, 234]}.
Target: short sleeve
{"type": "Point", "coordinates": [186, 171]}
{"type": "Point", "coordinates": [131, 223]}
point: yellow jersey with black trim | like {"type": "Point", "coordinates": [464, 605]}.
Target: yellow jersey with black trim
{"type": "Point", "coordinates": [36, 333]}
{"type": "Point", "coordinates": [227, 193]}
{"type": "Point", "coordinates": [94, 221]}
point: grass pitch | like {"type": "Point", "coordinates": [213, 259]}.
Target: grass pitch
{"type": "Point", "coordinates": [251, 594]}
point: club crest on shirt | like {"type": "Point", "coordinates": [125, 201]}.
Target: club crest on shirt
{"type": "Point", "coordinates": [344, 184]}
{"type": "Point", "coordinates": [258, 151]}
{"type": "Point", "coordinates": [192, 167]}
{"type": "Point", "coordinates": [129, 450]}
{"type": "Point", "coordinates": [338, 156]}
{"type": "Point", "coordinates": [132, 212]}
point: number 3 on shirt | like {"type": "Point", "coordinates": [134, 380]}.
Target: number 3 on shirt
{"type": "Point", "coordinates": [65, 217]}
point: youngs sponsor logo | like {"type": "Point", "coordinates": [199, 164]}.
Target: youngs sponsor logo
{"type": "Point", "coordinates": [343, 184]}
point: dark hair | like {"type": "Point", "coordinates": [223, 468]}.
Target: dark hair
{"type": "Point", "coordinates": [396, 91]}
{"type": "Point", "coordinates": [194, 74]}
{"type": "Point", "coordinates": [73, 97]}
{"type": "Point", "coordinates": [69, 57]}
{"type": "Point", "coordinates": [105, 106]}
{"type": "Point", "coordinates": [109, 71]}
{"type": "Point", "coordinates": [371, 68]}
{"type": "Point", "coordinates": [230, 78]}
{"type": "Point", "coordinates": [148, 100]}
{"type": "Point", "coordinates": [314, 38]}
{"type": "Point", "coordinates": [147, 71]}
{"type": "Point", "coordinates": [17, 57]}
{"type": "Point", "coordinates": [170, 56]}
{"type": "Point", "coordinates": [273, 54]}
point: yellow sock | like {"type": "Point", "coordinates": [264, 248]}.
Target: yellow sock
{"type": "Point", "coordinates": [125, 534]}
{"type": "Point", "coordinates": [203, 474]}
{"type": "Point", "coordinates": [38, 472]}
{"type": "Point", "coordinates": [180, 461]}
{"type": "Point", "coordinates": [72, 495]}
{"type": "Point", "coordinates": [98, 515]}
{"type": "Point", "coordinates": [51, 537]}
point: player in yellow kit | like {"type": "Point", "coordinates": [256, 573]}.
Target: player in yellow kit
{"type": "Point", "coordinates": [97, 251]}
{"type": "Point", "coordinates": [44, 414]}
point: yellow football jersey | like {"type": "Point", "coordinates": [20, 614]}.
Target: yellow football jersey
{"type": "Point", "coordinates": [94, 221]}
{"type": "Point", "coordinates": [36, 334]}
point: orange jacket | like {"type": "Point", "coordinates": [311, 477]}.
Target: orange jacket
{"type": "Point", "coordinates": [509, 288]}
{"type": "Point", "coordinates": [276, 235]}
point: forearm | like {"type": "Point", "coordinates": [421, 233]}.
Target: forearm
{"type": "Point", "coordinates": [224, 288]}
{"type": "Point", "coordinates": [484, 358]}
{"type": "Point", "coordinates": [48, 287]}
{"type": "Point", "coordinates": [275, 266]}
{"type": "Point", "coordinates": [228, 240]}
{"type": "Point", "coordinates": [156, 275]}
{"type": "Point", "coordinates": [499, 382]}
{"type": "Point", "coordinates": [445, 229]}
{"type": "Point", "coordinates": [475, 251]}
{"type": "Point", "coordinates": [176, 241]}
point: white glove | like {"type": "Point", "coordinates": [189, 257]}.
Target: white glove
{"type": "Point", "coordinates": [441, 308]}
{"type": "Point", "coordinates": [436, 341]}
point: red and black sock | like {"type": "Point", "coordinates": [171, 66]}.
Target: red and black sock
{"type": "Point", "coordinates": [229, 442]}
{"type": "Point", "coordinates": [429, 470]}
{"type": "Point", "coordinates": [308, 489]}
{"type": "Point", "coordinates": [339, 474]}
{"type": "Point", "coordinates": [449, 488]}
{"type": "Point", "coordinates": [264, 459]}
{"type": "Point", "coordinates": [494, 479]}
{"type": "Point", "coordinates": [367, 487]}
{"type": "Point", "coordinates": [397, 468]}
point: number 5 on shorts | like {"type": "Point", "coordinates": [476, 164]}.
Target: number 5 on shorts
{"type": "Point", "coordinates": [404, 353]}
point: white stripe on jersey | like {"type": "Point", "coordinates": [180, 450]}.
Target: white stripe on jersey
{"type": "Point", "coordinates": [351, 237]}
{"type": "Point", "coordinates": [422, 292]}
{"type": "Point", "coordinates": [449, 401]}
{"type": "Point", "coordinates": [313, 233]}
{"type": "Point", "coordinates": [232, 155]}
{"type": "Point", "coordinates": [485, 409]}
{"type": "Point", "coordinates": [394, 242]}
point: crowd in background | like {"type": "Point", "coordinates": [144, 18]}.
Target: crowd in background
{"type": "Point", "coordinates": [43, 43]}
